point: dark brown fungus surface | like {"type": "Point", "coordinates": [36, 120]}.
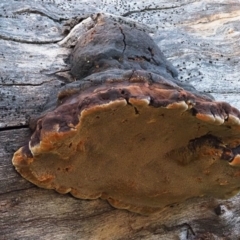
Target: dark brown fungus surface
{"type": "Point", "coordinates": [128, 131]}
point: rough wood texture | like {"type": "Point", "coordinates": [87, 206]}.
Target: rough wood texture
{"type": "Point", "coordinates": [200, 38]}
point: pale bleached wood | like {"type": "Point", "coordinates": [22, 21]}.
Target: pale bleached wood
{"type": "Point", "coordinates": [200, 38]}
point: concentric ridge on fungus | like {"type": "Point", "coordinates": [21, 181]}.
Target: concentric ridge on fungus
{"type": "Point", "coordinates": [128, 131]}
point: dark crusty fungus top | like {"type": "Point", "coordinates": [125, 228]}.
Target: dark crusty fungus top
{"type": "Point", "coordinates": [128, 131]}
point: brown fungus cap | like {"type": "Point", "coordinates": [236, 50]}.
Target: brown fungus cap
{"type": "Point", "coordinates": [134, 136]}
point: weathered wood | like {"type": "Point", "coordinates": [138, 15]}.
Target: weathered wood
{"type": "Point", "coordinates": [199, 38]}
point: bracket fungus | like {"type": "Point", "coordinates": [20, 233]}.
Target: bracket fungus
{"type": "Point", "coordinates": [129, 131]}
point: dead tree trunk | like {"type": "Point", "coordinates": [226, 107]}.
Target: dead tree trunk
{"type": "Point", "coordinates": [36, 39]}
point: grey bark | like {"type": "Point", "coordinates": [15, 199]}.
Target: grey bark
{"type": "Point", "coordinates": [200, 38]}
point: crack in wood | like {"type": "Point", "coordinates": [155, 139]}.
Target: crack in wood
{"type": "Point", "coordinates": [124, 40]}
{"type": "Point", "coordinates": [8, 128]}
{"type": "Point", "coordinates": [32, 84]}
{"type": "Point", "coordinates": [34, 11]}
{"type": "Point", "coordinates": [150, 9]}
{"type": "Point", "coordinates": [60, 71]}
{"type": "Point", "coordinates": [17, 190]}
{"type": "Point", "coordinates": [29, 41]}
